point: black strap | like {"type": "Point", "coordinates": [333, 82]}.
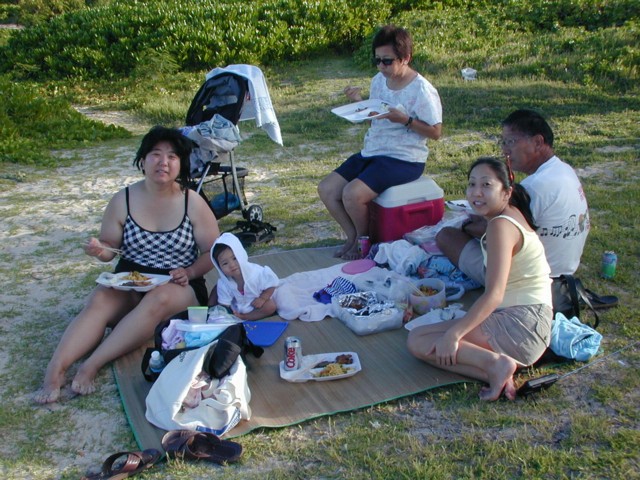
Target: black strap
{"type": "Point", "coordinates": [570, 280]}
{"type": "Point", "coordinates": [577, 293]}
{"type": "Point", "coordinates": [585, 298]}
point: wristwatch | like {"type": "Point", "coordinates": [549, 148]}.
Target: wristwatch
{"type": "Point", "coordinates": [408, 122]}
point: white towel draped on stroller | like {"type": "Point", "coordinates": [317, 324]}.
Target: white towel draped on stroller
{"type": "Point", "coordinates": [212, 138]}
{"type": "Point", "coordinates": [259, 106]}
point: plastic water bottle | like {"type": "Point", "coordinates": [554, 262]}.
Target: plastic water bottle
{"type": "Point", "coordinates": [156, 363]}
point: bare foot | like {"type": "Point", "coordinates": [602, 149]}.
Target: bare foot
{"type": "Point", "coordinates": [344, 249]}
{"type": "Point", "coordinates": [351, 254]}
{"type": "Point", "coordinates": [50, 390]}
{"type": "Point", "coordinates": [500, 380]}
{"type": "Point", "coordinates": [47, 395]}
{"type": "Point", "coordinates": [83, 382]}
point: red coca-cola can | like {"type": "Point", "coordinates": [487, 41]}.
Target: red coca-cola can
{"type": "Point", "coordinates": [292, 353]}
{"type": "Point", "coordinates": [364, 245]}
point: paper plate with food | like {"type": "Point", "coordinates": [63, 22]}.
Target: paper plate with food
{"type": "Point", "coordinates": [360, 111]}
{"type": "Point", "coordinates": [323, 367]}
{"type": "Point", "coordinates": [136, 281]}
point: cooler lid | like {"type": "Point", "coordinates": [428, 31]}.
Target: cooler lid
{"type": "Point", "coordinates": [422, 190]}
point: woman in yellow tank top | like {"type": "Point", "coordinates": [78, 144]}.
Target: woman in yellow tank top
{"type": "Point", "coordinates": [509, 326]}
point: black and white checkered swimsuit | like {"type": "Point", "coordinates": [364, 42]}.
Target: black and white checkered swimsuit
{"type": "Point", "coordinates": [161, 250]}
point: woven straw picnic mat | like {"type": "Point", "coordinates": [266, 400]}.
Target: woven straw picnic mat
{"type": "Point", "coordinates": [388, 370]}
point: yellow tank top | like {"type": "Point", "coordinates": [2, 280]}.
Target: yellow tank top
{"type": "Point", "coordinates": [528, 282]}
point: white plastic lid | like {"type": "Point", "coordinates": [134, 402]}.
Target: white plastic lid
{"type": "Point", "coordinates": [155, 355]}
{"type": "Point", "coordinates": [422, 190]}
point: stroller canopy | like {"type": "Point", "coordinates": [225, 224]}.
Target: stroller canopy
{"type": "Point", "coordinates": [223, 94]}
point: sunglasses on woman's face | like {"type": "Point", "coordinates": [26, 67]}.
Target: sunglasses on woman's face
{"type": "Point", "coordinates": [384, 61]}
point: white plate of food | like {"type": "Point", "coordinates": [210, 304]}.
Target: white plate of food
{"type": "Point", "coordinates": [135, 281]}
{"type": "Point", "coordinates": [360, 111]}
{"type": "Point", "coordinates": [435, 316]}
{"type": "Point", "coordinates": [323, 366]}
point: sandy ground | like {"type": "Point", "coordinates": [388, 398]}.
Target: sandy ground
{"type": "Point", "coordinates": [44, 221]}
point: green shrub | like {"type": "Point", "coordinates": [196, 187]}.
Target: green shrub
{"type": "Point", "coordinates": [109, 41]}
{"type": "Point", "coordinates": [32, 12]}
{"type": "Point", "coordinates": [31, 125]}
{"type": "Point", "coordinates": [9, 13]}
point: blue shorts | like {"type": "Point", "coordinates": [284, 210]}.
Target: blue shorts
{"type": "Point", "coordinates": [379, 172]}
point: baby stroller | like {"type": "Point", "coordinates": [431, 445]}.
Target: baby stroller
{"type": "Point", "coordinates": [211, 123]}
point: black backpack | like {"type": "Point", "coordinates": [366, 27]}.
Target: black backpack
{"type": "Point", "coordinates": [572, 296]}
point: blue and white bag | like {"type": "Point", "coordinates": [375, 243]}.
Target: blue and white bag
{"type": "Point", "coordinates": [572, 339]}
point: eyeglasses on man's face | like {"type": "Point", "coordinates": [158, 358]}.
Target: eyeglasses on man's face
{"type": "Point", "coordinates": [384, 61]}
{"type": "Point", "coordinates": [510, 142]}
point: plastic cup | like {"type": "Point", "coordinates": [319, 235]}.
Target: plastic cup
{"type": "Point", "coordinates": [198, 314]}
{"type": "Point", "coordinates": [425, 303]}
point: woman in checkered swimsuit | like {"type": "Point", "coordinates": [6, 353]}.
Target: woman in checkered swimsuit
{"type": "Point", "coordinates": [161, 228]}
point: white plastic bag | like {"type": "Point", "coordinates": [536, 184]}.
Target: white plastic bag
{"type": "Point", "coordinates": [218, 414]}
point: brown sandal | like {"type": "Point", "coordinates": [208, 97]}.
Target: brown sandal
{"type": "Point", "coordinates": [128, 464]}
{"type": "Point", "coordinates": [190, 445]}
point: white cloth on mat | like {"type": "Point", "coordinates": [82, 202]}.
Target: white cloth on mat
{"type": "Point", "coordinates": [402, 257]}
{"type": "Point", "coordinates": [294, 295]}
{"type": "Point", "coordinates": [259, 107]}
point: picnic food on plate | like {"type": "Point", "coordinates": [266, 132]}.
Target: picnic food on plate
{"type": "Point", "coordinates": [136, 279]}
{"type": "Point", "coordinates": [343, 359]}
{"type": "Point", "coordinates": [331, 370]}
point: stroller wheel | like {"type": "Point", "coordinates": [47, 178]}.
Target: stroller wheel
{"type": "Point", "coordinates": [253, 213]}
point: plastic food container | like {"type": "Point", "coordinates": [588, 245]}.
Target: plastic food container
{"type": "Point", "coordinates": [422, 304]}
{"type": "Point", "coordinates": [198, 314]}
{"type": "Point", "coordinates": [386, 319]}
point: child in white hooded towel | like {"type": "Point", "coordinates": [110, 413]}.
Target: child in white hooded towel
{"type": "Point", "coordinates": [246, 288]}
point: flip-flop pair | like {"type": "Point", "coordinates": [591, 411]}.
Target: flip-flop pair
{"type": "Point", "coordinates": [190, 445]}
{"type": "Point", "coordinates": [125, 464]}
{"type": "Point", "coordinates": [599, 302]}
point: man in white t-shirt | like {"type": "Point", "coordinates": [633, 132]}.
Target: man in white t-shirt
{"type": "Point", "coordinates": [558, 202]}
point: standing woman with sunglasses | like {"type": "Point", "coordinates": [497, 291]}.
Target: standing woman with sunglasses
{"type": "Point", "coordinates": [509, 326]}
{"type": "Point", "coordinates": [395, 146]}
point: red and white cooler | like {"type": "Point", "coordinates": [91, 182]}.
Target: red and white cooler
{"type": "Point", "coordinates": [404, 208]}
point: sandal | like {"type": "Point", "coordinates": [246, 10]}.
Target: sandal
{"type": "Point", "coordinates": [600, 302]}
{"type": "Point", "coordinates": [190, 445]}
{"type": "Point", "coordinates": [128, 464]}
